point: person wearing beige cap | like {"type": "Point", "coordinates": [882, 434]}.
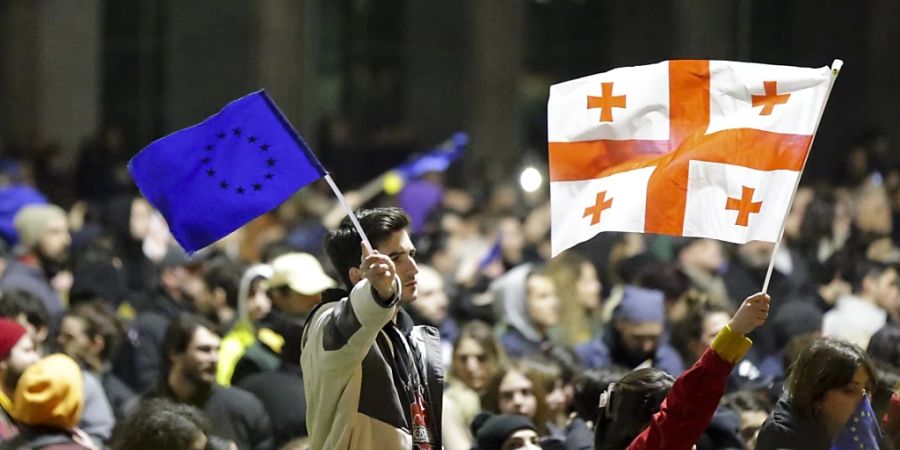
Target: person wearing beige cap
{"type": "Point", "coordinates": [295, 288]}
{"type": "Point", "coordinates": [297, 283]}
{"type": "Point", "coordinates": [42, 254]}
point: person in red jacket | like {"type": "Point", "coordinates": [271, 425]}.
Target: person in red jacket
{"type": "Point", "coordinates": [891, 420]}
{"type": "Point", "coordinates": [646, 410]}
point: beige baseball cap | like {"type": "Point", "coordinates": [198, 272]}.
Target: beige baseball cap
{"type": "Point", "coordinates": [301, 272]}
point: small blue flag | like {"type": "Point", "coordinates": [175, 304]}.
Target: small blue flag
{"type": "Point", "coordinates": [212, 178]}
{"type": "Point", "coordinates": [495, 253]}
{"type": "Point", "coordinates": [862, 431]}
{"type": "Point", "coordinates": [436, 160]}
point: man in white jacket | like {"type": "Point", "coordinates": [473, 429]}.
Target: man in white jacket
{"type": "Point", "coordinates": [372, 378]}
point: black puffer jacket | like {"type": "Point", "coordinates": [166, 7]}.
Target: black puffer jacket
{"type": "Point", "coordinates": [784, 429]}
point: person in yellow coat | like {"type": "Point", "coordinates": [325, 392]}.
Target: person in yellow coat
{"type": "Point", "coordinates": [253, 306]}
{"type": "Point", "coordinates": [276, 303]}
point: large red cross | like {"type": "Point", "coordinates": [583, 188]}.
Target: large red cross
{"type": "Point", "coordinates": [601, 204]}
{"type": "Point", "coordinates": [770, 99]}
{"type": "Point", "coordinates": [744, 206]}
{"type": "Point", "coordinates": [689, 113]}
{"type": "Point", "coordinates": [606, 102]}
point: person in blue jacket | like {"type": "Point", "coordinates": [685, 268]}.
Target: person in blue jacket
{"type": "Point", "coordinates": [634, 336]}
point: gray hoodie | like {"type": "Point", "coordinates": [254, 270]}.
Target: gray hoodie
{"type": "Point", "coordinates": [510, 293]}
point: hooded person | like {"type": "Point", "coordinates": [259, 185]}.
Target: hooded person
{"type": "Point", "coordinates": [527, 303]}
{"type": "Point", "coordinates": [282, 392]}
{"type": "Point", "coordinates": [48, 404]}
{"type": "Point", "coordinates": [253, 306]}
{"type": "Point", "coordinates": [634, 336]}
{"type": "Point", "coordinates": [294, 289]}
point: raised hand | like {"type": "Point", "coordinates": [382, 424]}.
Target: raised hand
{"type": "Point", "coordinates": [379, 270]}
{"type": "Point", "coordinates": [752, 313]}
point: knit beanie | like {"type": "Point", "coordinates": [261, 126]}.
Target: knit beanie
{"type": "Point", "coordinates": [31, 220]}
{"type": "Point", "coordinates": [495, 429]}
{"type": "Point", "coordinates": [50, 393]}
{"type": "Point", "coordinates": [641, 305]}
{"type": "Point", "coordinates": [10, 333]}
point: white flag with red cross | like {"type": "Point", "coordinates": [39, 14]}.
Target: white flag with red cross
{"type": "Point", "coordinates": [686, 148]}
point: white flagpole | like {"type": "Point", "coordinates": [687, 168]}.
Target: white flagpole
{"type": "Point", "coordinates": [835, 71]}
{"type": "Point", "coordinates": [350, 214]}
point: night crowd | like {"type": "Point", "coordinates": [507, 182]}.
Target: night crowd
{"type": "Point", "coordinates": [290, 334]}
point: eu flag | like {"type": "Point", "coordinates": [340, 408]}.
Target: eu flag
{"type": "Point", "coordinates": [861, 432]}
{"type": "Point", "coordinates": [436, 160]}
{"type": "Point", "coordinates": [210, 179]}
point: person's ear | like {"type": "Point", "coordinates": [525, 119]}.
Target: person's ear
{"type": "Point", "coordinates": [168, 278]}
{"type": "Point", "coordinates": [98, 344]}
{"type": "Point", "coordinates": [219, 297]}
{"type": "Point", "coordinates": [869, 284]}
{"type": "Point", "coordinates": [356, 275]}
{"type": "Point", "coordinates": [41, 334]}
{"type": "Point", "coordinates": [175, 358]}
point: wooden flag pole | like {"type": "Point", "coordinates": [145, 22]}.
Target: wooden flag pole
{"type": "Point", "coordinates": [835, 71]}
{"type": "Point", "coordinates": [350, 214]}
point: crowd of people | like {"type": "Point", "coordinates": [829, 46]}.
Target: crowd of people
{"type": "Point", "coordinates": [452, 327]}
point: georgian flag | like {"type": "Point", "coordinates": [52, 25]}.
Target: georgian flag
{"type": "Point", "coordinates": [686, 148]}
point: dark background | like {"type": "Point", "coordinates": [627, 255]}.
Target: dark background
{"type": "Point", "coordinates": [368, 82]}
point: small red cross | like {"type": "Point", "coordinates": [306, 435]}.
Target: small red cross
{"type": "Point", "coordinates": [598, 208]}
{"type": "Point", "coordinates": [606, 102]}
{"type": "Point", "coordinates": [771, 99]}
{"type": "Point", "coordinates": [744, 206]}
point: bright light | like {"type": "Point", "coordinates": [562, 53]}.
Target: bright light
{"type": "Point", "coordinates": [531, 179]}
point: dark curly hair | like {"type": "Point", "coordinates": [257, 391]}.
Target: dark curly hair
{"type": "Point", "coordinates": [158, 424]}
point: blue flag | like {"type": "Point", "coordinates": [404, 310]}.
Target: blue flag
{"type": "Point", "coordinates": [436, 160]}
{"type": "Point", "coordinates": [212, 178]}
{"type": "Point", "coordinates": [495, 253]}
{"type": "Point", "coordinates": [862, 431]}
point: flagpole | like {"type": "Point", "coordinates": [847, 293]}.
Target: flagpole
{"type": "Point", "coordinates": [350, 214]}
{"type": "Point", "coordinates": [377, 184]}
{"type": "Point", "coordinates": [835, 71]}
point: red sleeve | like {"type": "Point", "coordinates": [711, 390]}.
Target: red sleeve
{"type": "Point", "coordinates": [891, 420]}
{"type": "Point", "coordinates": [688, 408]}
